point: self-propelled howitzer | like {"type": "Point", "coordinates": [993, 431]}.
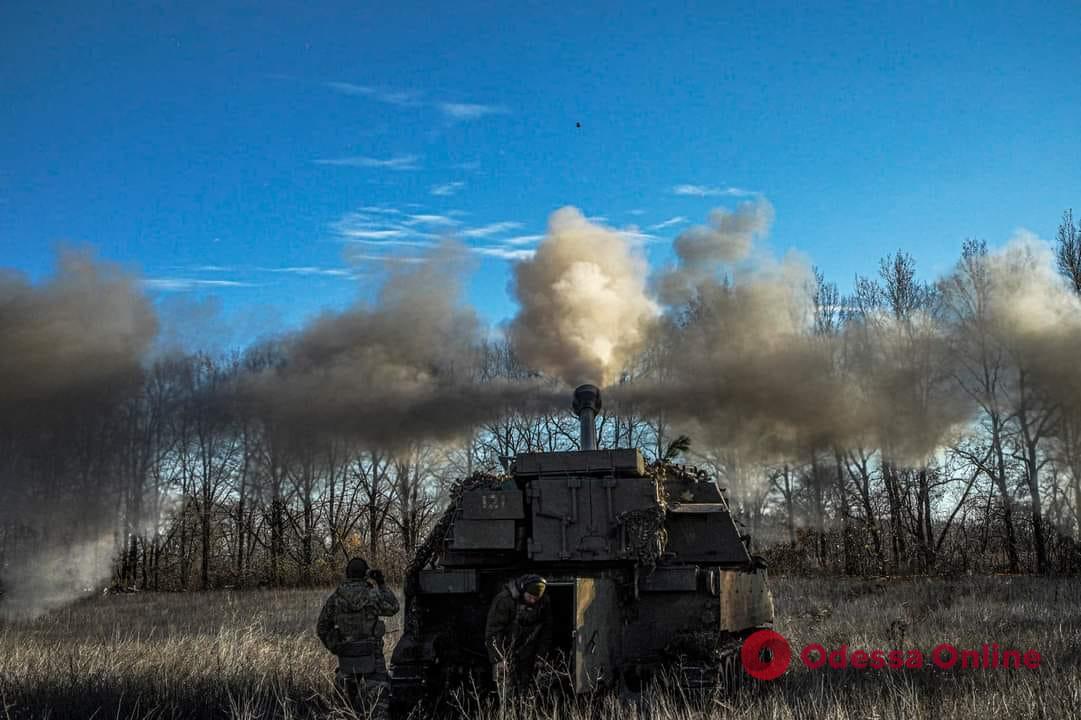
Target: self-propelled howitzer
{"type": "Point", "coordinates": [647, 571]}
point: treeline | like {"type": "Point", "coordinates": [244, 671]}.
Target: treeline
{"type": "Point", "coordinates": [178, 481]}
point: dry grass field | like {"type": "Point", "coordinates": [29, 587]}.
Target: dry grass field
{"type": "Point", "coordinates": [254, 655]}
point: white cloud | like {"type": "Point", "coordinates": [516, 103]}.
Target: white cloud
{"type": "Point", "coordinates": [597, 219]}
{"type": "Point", "coordinates": [364, 258]}
{"type": "Point", "coordinates": [362, 234]}
{"type": "Point", "coordinates": [404, 98]}
{"type": "Point", "coordinates": [504, 253]}
{"type": "Point", "coordinates": [523, 240]}
{"type": "Point", "coordinates": [311, 270]}
{"type": "Point", "coordinates": [636, 236]}
{"type": "Point", "coordinates": [398, 162]}
{"type": "Point", "coordinates": [638, 211]}
{"type": "Point", "coordinates": [380, 210]}
{"type": "Point", "coordinates": [175, 283]}
{"type": "Point", "coordinates": [470, 111]}
{"type": "Point", "coordinates": [431, 220]}
{"type": "Point", "coordinates": [707, 191]}
{"type": "Point", "coordinates": [390, 243]}
{"type": "Point", "coordinates": [447, 188]}
{"type": "Point", "coordinates": [491, 229]}
{"type": "Point", "coordinates": [678, 220]}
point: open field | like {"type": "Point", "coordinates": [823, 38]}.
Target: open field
{"type": "Point", "coordinates": [254, 654]}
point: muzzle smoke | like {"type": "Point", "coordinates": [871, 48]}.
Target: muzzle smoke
{"type": "Point", "coordinates": [584, 308]}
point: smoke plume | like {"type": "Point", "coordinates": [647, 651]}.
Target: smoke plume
{"type": "Point", "coordinates": [735, 365]}
{"type": "Point", "coordinates": [72, 350]}
{"type": "Point", "coordinates": [584, 308]}
{"type": "Point", "coordinates": [1036, 318]}
{"type": "Point", "coordinates": [86, 327]}
{"type": "Point", "coordinates": [704, 251]}
{"type": "Point", "coordinates": [402, 370]}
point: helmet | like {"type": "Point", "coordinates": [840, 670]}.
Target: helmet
{"type": "Point", "coordinates": [357, 569]}
{"type": "Point", "coordinates": [532, 584]}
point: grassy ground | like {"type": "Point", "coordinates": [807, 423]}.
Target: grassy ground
{"type": "Point", "coordinates": [254, 654]}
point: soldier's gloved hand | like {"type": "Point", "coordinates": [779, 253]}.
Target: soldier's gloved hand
{"type": "Point", "coordinates": [377, 577]}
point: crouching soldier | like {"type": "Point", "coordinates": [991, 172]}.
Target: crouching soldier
{"type": "Point", "coordinates": [351, 628]}
{"type": "Point", "coordinates": [519, 629]}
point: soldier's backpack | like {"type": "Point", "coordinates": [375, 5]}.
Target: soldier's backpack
{"type": "Point", "coordinates": [360, 629]}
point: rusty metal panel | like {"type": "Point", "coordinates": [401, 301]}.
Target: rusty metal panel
{"type": "Point", "coordinates": [483, 535]}
{"type": "Point", "coordinates": [582, 462]}
{"type": "Point", "coordinates": [745, 601]}
{"type": "Point", "coordinates": [597, 628]}
{"type": "Point", "coordinates": [448, 581]}
{"type": "Point", "coordinates": [493, 505]}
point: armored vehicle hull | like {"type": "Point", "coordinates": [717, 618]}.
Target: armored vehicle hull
{"type": "Point", "coordinates": [647, 571]}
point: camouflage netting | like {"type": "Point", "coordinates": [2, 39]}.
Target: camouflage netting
{"type": "Point", "coordinates": [675, 480]}
{"type": "Point", "coordinates": [646, 535]}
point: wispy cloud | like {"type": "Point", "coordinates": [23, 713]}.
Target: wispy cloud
{"type": "Point", "coordinates": [360, 233]}
{"type": "Point", "coordinates": [638, 211]}
{"type": "Point", "coordinates": [415, 98]}
{"type": "Point", "coordinates": [398, 162]}
{"type": "Point", "coordinates": [636, 236]}
{"type": "Point", "coordinates": [707, 191]}
{"type": "Point", "coordinates": [431, 220]}
{"type": "Point", "coordinates": [309, 270]}
{"type": "Point", "coordinates": [470, 111]}
{"type": "Point", "coordinates": [504, 253]}
{"type": "Point", "coordinates": [679, 220]}
{"type": "Point", "coordinates": [172, 284]}
{"type": "Point", "coordinates": [381, 233]}
{"type": "Point", "coordinates": [523, 240]}
{"type": "Point", "coordinates": [403, 98]}
{"type": "Point", "coordinates": [447, 189]}
{"type": "Point", "coordinates": [491, 229]}
{"type": "Point", "coordinates": [380, 210]}
{"type": "Point", "coordinates": [470, 166]}
{"type": "Point", "coordinates": [362, 258]}
{"type": "Point", "coordinates": [392, 243]}
{"type": "Point", "coordinates": [389, 228]}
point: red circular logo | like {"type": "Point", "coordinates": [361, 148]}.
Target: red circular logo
{"type": "Point", "coordinates": [765, 655]}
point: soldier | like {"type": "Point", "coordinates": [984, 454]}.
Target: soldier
{"type": "Point", "coordinates": [519, 629]}
{"type": "Point", "coordinates": [351, 628]}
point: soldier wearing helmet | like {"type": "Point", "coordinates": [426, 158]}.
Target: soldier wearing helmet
{"type": "Point", "coordinates": [351, 627]}
{"type": "Point", "coordinates": [519, 629]}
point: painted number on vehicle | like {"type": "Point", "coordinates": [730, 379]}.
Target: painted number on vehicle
{"type": "Point", "coordinates": [493, 501]}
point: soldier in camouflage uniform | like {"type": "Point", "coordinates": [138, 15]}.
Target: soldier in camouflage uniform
{"type": "Point", "coordinates": [519, 629]}
{"type": "Point", "coordinates": [351, 628]}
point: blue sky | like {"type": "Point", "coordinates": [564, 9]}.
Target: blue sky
{"type": "Point", "coordinates": [241, 152]}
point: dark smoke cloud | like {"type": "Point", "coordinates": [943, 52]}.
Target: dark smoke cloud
{"type": "Point", "coordinates": [86, 327]}
{"type": "Point", "coordinates": [71, 350]}
{"type": "Point", "coordinates": [401, 370]}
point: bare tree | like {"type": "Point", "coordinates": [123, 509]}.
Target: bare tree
{"type": "Point", "coordinates": [1068, 251]}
